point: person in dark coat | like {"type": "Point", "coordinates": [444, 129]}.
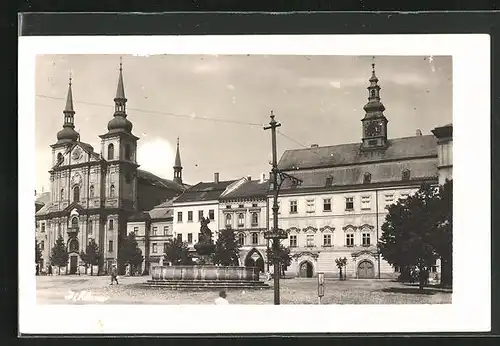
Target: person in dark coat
{"type": "Point", "coordinates": [114, 275]}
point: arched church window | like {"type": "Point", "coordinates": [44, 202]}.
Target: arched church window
{"type": "Point", "coordinates": [406, 174]}
{"type": "Point", "coordinates": [74, 222]}
{"type": "Point", "coordinates": [112, 191]}
{"type": "Point", "coordinates": [62, 194]}
{"type": "Point", "coordinates": [127, 152]}
{"type": "Point", "coordinates": [241, 239]}
{"type": "Point", "coordinates": [228, 219]}
{"type": "Point", "coordinates": [73, 245]}
{"type": "Point", "coordinates": [111, 151]}
{"type": "Point", "coordinates": [373, 93]}
{"type": "Point", "coordinates": [91, 191]}
{"type": "Point", "coordinates": [76, 194]}
{"type": "Point", "coordinates": [60, 158]}
{"type": "Point", "coordinates": [367, 178]}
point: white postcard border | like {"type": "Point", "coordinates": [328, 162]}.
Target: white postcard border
{"type": "Point", "coordinates": [471, 306]}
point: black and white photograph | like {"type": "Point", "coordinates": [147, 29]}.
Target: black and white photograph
{"type": "Point", "coordinates": [254, 179]}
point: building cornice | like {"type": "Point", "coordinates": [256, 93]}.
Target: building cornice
{"type": "Point", "coordinates": [357, 188]}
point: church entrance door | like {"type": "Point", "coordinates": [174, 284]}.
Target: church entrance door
{"type": "Point", "coordinates": [73, 260]}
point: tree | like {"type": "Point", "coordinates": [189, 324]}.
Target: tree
{"type": "Point", "coordinates": [341, 263]}
{"type": "Point", "coordinates": [226, 248]}
{"type": "Point", "coordinates": [38, 253]}
{"type": "Point", "coordinates": [407, 233]}
{"type": "Point", "coordinates": [130, 252]}
{"type": "Point", "coordinates": [177, 252]}
{"type": "Point", "coordinates": [92, 256]}
{"type": "Point", "coordinates": [442, 238]}
{"type": "Point", "coordinates": [59, 255]}
{"type": "Point", "coordinates": [284, 257]}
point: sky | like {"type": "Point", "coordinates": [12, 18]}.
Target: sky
{"type": "Point", "coordinates": [217, 105]}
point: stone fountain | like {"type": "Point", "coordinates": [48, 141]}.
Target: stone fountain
{"type": "Point", "coordinates": [205, 274]}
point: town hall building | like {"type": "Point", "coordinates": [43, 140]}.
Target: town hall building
{"type": "Point", "coordinates": [339, 207]}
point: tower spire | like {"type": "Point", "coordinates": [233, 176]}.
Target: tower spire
{"type": "Point", "coordinates": [120, 99]}
{"type": "Point", "coordinates": [374, 121]}
{"type": "Point", "coordinates": [68, 132]}
{"type": "Point", "coordinates": [178, 165]}
{"type": "Point", "coordinates": [120, 123]}
{"type": "Point", "coordinates": [69, 97]}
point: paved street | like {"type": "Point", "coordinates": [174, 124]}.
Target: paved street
{"type": "Point", "coordinates": [96, 290]}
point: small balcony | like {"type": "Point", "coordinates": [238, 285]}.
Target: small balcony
{"type": "Point", "coordinates": [72, 231]}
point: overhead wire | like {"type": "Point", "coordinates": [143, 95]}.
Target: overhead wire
{"type": "Point", "coordinates": [185, 116]}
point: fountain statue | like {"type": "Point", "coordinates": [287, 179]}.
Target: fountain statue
{"type": "Point", "coordinates": [205, 247]}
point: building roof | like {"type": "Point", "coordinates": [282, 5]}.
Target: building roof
{"type": "Point", "coordinates": [249, 189]}
{"type": "Point", "coordinates": [204, 192]}
{"type": "Point", "coordinates": [383, 172]}
{"type": "Point", "coordinates": [43, 198]}
{"type": "Point", "coordinates": [44, 210]}
{"type": "Point", "coordinates": [138, 217]}
{"type": "Point", "coordinates": [162, 211]}
{"type": "Point", "coordinates": [155, 180]}
{"type": "Point", "coordinates": [352, 154]}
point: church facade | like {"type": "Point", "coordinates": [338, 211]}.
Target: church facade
{"type": "Point", "coordinates": [92, 195]}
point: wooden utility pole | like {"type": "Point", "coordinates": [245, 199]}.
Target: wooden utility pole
{"type": "Point", "coordinates": [274, 233]}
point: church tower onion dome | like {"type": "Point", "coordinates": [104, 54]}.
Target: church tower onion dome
{"type": "Point", "coordinates": [120, 123]}
{"type": "Point", "coordinates": [68, 133]}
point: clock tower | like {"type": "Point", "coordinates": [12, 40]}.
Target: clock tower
{"type": "Point", "coordinates": [374, 122]}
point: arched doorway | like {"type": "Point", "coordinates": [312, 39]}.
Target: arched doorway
{"type": "Point", "coordinates": [73, 248]}
{"type": "Point", "coordinates": [254, 259]}
{"type": "Point", "coordinates": [366, 270]}
{"type": "Point", "coordinates": [306, 270]}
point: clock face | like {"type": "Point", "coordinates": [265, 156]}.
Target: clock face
{"type": "Point", "coordinates": [77, 153]}
{"type": "Point", "coordinates": [374, 129]}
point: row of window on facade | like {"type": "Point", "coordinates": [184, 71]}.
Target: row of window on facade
{"type": "Point", "coordinates": [241, 220]}
{"type": "Point", "coordinates": [367, 177]}
{"type": "Point", "coordinates": [74, 225]}
{"type": "Point", "coordinates": [241, 239]}
{"type": "Point", "coordinates": [327, 240]}
{"type": "Point", "coordinates": [154, 231]}
{"type": "Point", "coordinates": [349, 203]}
{"type": "Point", "coordinates": [76, 192]}
{"type": "Point", "coordinates": [211, 215]}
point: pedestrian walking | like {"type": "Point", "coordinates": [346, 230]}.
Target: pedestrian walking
{"type": "Point", "coordinates": [221, 300]}
{"type": "Point", "coordinates": [114, 275]}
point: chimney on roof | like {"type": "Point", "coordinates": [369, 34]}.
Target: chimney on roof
{"type": "Point", "coordinates": [262, 177]}
{"type": "Point", "coordinates": [314, 146]}
{"type": "Point", "coordinates": [249, 177]}
{"type": "Point", "coordinates": [216, 178]}
{"type": "Point", "coordinates": [418, 132]}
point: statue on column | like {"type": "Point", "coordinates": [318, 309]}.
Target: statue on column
{"type": "Point", "coordinates": [205, 232]}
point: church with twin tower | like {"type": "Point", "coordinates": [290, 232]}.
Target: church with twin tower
{"type": "Point", "coordinates": [93, 194]}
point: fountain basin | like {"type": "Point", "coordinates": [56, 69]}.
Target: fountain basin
{"type": "Point", "coordinates": [205, 272]}
{"type": "Point", "coordinates": [205, 276]}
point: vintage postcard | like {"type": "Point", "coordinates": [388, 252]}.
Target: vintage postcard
{"type": "Point", "coordinates": [312, 175]}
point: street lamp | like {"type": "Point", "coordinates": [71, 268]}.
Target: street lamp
{"type": "Point", "coordinates": [275, 233]}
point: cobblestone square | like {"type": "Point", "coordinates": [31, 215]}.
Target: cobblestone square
{"type": "Point", "coordinates": [93, 290]}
